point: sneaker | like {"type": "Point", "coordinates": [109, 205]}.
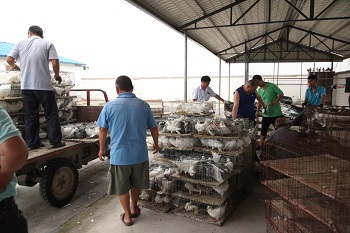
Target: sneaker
{"type": "Point", "coordinates": [60, 144]}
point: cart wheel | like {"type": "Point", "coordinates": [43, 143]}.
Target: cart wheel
{"type": "Point", "coordinates": [59, 182]}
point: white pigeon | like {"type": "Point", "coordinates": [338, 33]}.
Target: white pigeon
{"type": "Point", "coordinates": [201, 127]}
{"type": "Point", "coordinates": [192, 189]}
{"type": "Point", "coordinates": [185, 142]}
{"type": "Point", "coordinates": [215, 143]}
{"type": "Point", "coordinates": [172, 141]}
{"type": "Point", "coordinates": [239, 143]}
{"type": "Point", "coordinates": [217, 173]}
{"type": "Point", "coordinates": [156, 171]}
{"type": "Point", "coordinates": [224, 130]}
{"type": "Point", "coordinates": [229, 164]}
{"type": "Point", "coordinates": [221, 189]}
{"type": "Point", "coordinates": [144, 195]}
{"type": "Point", "coordinates": [166, 184]}
{"type": "Point", "coordinates": [158, 199]}
{"type": "Point", "coordinates": [204, 142]}
{"type": "Point", "coordinates": [217, 212]}
{"type": "Point", "coordinates": [216, 157]}
{"type": "Point", "coordinates": [190, 207]}
{"type": "Point", "coordinates": [229, 144]}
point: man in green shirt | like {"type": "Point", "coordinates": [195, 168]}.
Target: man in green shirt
{"type": "Point", "coordinates": [271, 96]}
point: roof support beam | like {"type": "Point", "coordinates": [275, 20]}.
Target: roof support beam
{"type": "Point", "coordinates": [325, 9]}
{"type": "Point", "coordinates": [244, 13]}
{"type": "Point", "coordinates": [292, 5]}
{"type": "Point", "coordinates": [237, 2]}
{"type": "Point", "coordinates": [254, 38]}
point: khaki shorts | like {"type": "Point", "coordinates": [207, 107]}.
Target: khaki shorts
{"type": "Point", "coordinates": [123, 177]}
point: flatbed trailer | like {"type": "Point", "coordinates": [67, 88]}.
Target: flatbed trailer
{"type": "Point", "coordinates": [56, 169]}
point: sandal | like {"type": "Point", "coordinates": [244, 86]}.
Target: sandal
{"type": "Point", "coordinates": [135, 215]}
{"type": "Point", "coordinates": [125, 223]}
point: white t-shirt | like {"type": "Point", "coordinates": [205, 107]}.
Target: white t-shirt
{"type": "Point", "coordinates": [202, 95]}
{"type": "Point", "coordinates": [34, 55]}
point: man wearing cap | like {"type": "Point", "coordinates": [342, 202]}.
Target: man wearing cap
{"type": "Point", "coordinates": [203, 92]}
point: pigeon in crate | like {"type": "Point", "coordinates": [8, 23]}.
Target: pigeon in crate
{"type": "Point", "coordinates": [229, 144]}
{"type": "Point", "coordinates": [191, 189]}
{"type": "Point", "coordinates": [229, 165]}
{"type": "Point", "coordinates": [224, 130]}
{"type": "Point", "coordinates": [80, 134]}
{"type": "Point", "coordinates": [158, 199]}
{"type": "Point", "coordinates": [215, 143]}
{"type": "Point", "coordinates": [216, 157]}
{"type": "Point", "coordinates": [201, 126]}
{"type": "Point", "coordinates": [155, 171]}
{"type": "Point", "coordinates": [172, 126]}
{"type": "Point", "coordinates": [166, 184]}
{"type": "Point", "coordinates": [204, 142]}
{"type": "Point", "coordinates": [222, 188]}
{"type": "Point", "coordinates": [166, 199]}
{"type": "Point", "coordinates": [145, 196]}
{"type": "Point", "coordinates": [189, 207]}
{"type": "Point", "coordinates": [239, 143]}
{"type": "Point", "coordinates": [216, 212]}
{"type": "Point", "coordinates": [172, 141]}
{"type": "Point", "coordinates": [185, 142]}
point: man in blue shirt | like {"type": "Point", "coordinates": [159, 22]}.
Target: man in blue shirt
{"type": "Point", "coordinates": [127, 119]}
{"type": "Point", "coordinates": [315, 96]}
{"type": "Point", "coordinates": [13, 155]}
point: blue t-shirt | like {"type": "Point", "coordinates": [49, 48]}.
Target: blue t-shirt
{"type": "Point", "coordinates": [7, 130]}
{"type": "Point", "coordinates": [127, 118]}
{"type": "Point", "coordinates": [246, 104]}
{"type": "Point", "coordinates": [315, 98]}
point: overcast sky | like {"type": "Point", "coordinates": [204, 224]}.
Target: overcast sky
{"type": "Point", "coordinates": [113, 37]}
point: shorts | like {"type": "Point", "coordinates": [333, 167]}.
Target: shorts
{"type": "Point", "coordinates": [265, 124]}
{"type": "Point", "coordinates": [123, 177]}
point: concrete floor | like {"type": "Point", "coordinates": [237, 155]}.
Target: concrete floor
{"type": "Point", "coordinates": [91, 210]}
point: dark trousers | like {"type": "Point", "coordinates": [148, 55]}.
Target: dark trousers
{"type": "Point", "coordinates": [31, 101]}
{"type": "Point", "coordinates": [11, 218]}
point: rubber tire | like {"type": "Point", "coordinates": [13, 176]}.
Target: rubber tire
{"type": "Point", "coordinates": [59, 172]}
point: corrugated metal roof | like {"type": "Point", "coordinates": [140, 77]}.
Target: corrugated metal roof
{"type": "Point", "coordinates": [260, 30]}
{"type": "Point", "coordinates": [5, 48]}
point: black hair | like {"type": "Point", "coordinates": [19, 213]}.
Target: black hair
{"type": "Point", "coordinates": [312, 77]}
{"type": "Point", "coordinates": [124, 83]}
{"type": "Point", "coordinates": [36, 30]}
{"type": "Point", "coordinates": [205, 78]}
{"type": "Point", "coordinates": [257, 77]}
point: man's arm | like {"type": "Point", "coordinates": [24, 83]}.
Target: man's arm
{"type": "Point", "coordinates": [219, 98]}
{"type": "Point", "coordinates": [260, 101]}
{"type": "Point", "coordinates": [102, 141]}
{"type": "Point", "coordinates": [276, 100]}
{"type": "Point", "coordinates": [235, 104]}
{"type": "Point", "coordinates": [56, 67]}
{"type": "Point", "coordinates": [13, 154]}
{"type": "Point", "coordinates": [11, 61]}
{"type": "Point", "coordinates": [155, 134]}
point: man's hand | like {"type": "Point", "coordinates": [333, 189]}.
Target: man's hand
{"type": "Point", "coordinates": [156, 149]}
{"type": "Point", "coordinates": [303, 104]}
{"type": "Point", "coordinates": [15, 68]}
{"type": "Point", "coordinates": [321, 106]}
{"type": "Point", "coordinates": [58, 79]}
{"type": "Point", "coordinates": [101, 155]}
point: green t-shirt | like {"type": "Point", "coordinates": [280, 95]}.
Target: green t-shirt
{"type": "Point", "coordinates": [7, 130]}
{"type": "Point", "coordinates": [268, 95]}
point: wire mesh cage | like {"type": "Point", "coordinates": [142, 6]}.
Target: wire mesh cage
{"type": "Point", "coordinates": [311, 176]}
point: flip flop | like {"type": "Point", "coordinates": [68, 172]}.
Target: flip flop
{"type": "Point", "coordinates": [125, 223]}
{"type": "Point", "coordinates": [135, 215]}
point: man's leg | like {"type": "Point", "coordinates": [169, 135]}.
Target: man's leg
{"type": "Point", "coordinates": [31, 119]}
{"type": "Point", "coordinates": [125, 202]}
{"type": "Point", "coordinates": [135, 193]}
{"type": "Point", "coordinates": [48, 100]}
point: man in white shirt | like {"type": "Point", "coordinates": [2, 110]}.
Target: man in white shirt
{"type": "Point", "coordinates": [204, 92]}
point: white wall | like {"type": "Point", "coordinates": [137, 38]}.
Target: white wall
{"type": "Point", "coordinates": [340, 98]}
